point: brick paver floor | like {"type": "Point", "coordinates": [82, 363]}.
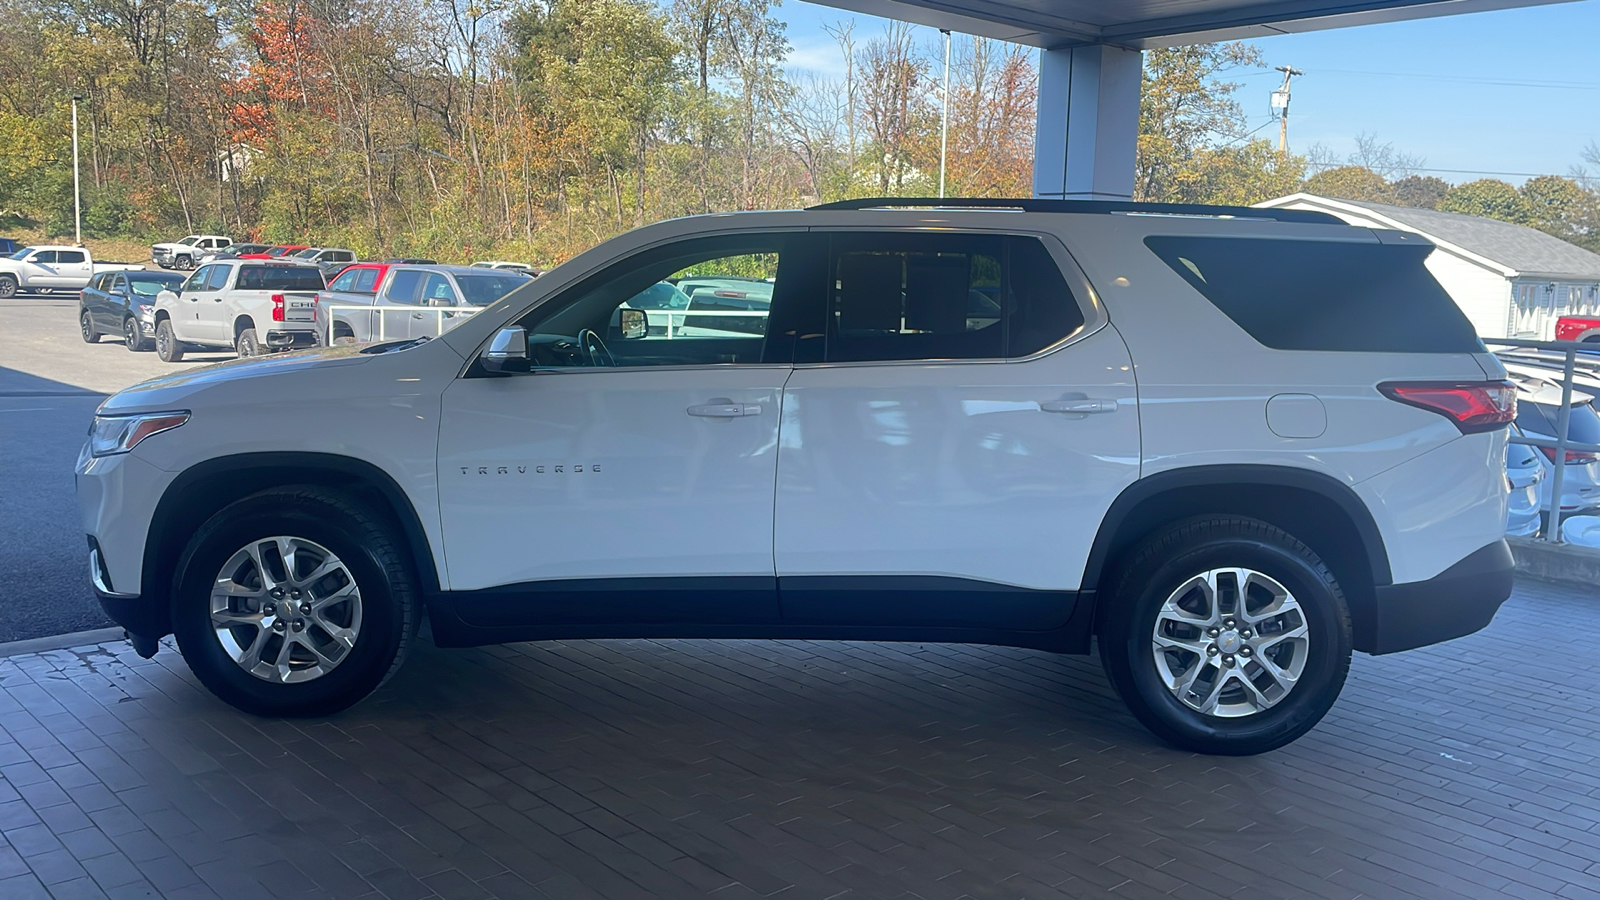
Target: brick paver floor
{"type": "Point", "coordinates": [739, 769]}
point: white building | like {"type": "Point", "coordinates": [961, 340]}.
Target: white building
{"type": "Point", "coordinates": [1510, 280]}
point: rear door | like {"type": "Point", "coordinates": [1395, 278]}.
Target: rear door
{"type": "Point", "coordinates": [72, 269]}
{"type": "Point", "coordinates": [949, 458]}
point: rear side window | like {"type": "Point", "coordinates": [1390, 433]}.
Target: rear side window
{"type": "Point", "coordinates": [944, 296]}
{"type": "Point", "coordinates": [1323, 295]}
{"type": "Point", "coordinates": [280, 278]}
{"type": "Point", "coordinates": [1541, 418]}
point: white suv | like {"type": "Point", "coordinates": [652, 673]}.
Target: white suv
{"type": "Point", "coordinates": [1231, 444]}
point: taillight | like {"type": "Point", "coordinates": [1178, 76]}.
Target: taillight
{"type": "Point", "coordinates": [277, 307]}
{"type": "Point", "coordinates": [1474, 406]}
{"type": "Point", "coordinates": [1574, 457]}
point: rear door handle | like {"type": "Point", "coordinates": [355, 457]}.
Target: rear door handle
{"type": "Point", "coordinates": [724, 409]}
{"type": "Point", "coordinates": [1079, 406]}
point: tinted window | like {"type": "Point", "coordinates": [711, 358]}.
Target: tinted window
{"type": "Point", "coordinates": [1323, 295]}
{"type": "Point", "coordinates": [44, 256]}
{"type": "Point", "coordinates": [482, 290]}
{"type": "Point", "coordinates": [436, 291]}
{"type": "Point", "coordinates": [367, 281]}
{"type": "Point", "coordinates": [280, 278]}
{"type": "Point", "coordinates": [197, 281]}
{"type": "Point", "coordinates": [1541, 419]}
{"type": "Point", "coordinates": [151, 283]}
{"type": "Point", "coordinates": [945, 297]}
{"type": "Point", "coordinates": [70, 256]}
{"type": "Point", "coordinates": [403, 286]}
{"type": "Point", "coordinates": [219, 278]}
{"type": "Point", "coordinates": [344, 282]}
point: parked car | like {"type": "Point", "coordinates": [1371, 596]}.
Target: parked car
{"type": "Point", "coordinates": [123, 303]}
{"type": "Point", "coordinates": [355, 286]}
{"type": "Point", "coordinates": [238, 251]}
{"type": "Point", "coordinates": [1538, 409]}
{"type": "Point", "coordinates": [275, 251]}
{"type": "Point", "coordinates": [53, 267]}
{"type": "Point", "coordinates": [523, 268]}
{"type": "Point", "coordinates": [331, 260]}
{"type": "Point", "coordinates": [1525, 480]}
{"type": "Point", "coordinates": [1585, 329]}
{"type": "Point", "coordinates": [186, 253]}
{"type": "Point", "coordinates": [412, 261]}
{"type": "Point", "coordinates": [250, 306]}
{"type": "Point", "coordinates": [878, 463]}
{"type": "Point", "coordinates": [1582, 531]}
{"type": "Point", "coordinates": [8, 246]}
{"type": "Point", "coordinates": [414, 301]}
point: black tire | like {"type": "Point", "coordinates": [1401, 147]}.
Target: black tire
{"type": "Point", "coordinates": [184, 262]}
{"type": "Point", "coordinates": [133, 337]}
{"type": "Point", "coordinates": [247, 344]}
{"type": "Point", "coordinates": [8, 287]}
{"type": "Point", "coordinates": [168, 347]}
{"type": "Point", "coordinates": [86, 329]}
{"type": "Point", "coordinates": [1158, 567]}
{"type": "Point", "coordinates": [391, 605]}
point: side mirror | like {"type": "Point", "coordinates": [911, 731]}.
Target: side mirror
{"type": "Point", "coordinates": [507, 351]}
{"type": "Point", "coordinates": [633, 324]}
{"type": "Point", "coordinates": [441, 301]}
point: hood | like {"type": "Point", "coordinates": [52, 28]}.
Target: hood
{"type": "Point", "coordinates": [174, 391]}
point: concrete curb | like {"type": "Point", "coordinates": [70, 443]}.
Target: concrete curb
{"type": "Point", "coordinates": [60, 641]}
{"type": "Point", "coordinates": [1556, 562]}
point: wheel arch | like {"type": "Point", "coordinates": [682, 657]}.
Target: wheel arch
{"type": "Point", "coordinates": [204, 489]}
{"type": "Point", "coordinates": [1317, 509]}
{"type": "Point", "coordinates": [240, 324]}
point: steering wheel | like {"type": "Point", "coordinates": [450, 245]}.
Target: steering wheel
{"type": "Point", "coordinates": [594, 349]}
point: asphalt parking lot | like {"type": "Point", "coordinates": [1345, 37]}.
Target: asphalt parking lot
{"type": "Point", "coordinates": [50, 384]}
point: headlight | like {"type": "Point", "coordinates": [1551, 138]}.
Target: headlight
{"type": "Point", "coordinates": [144, 310]}
{"type": "Point", "coordinates": [110, 435]}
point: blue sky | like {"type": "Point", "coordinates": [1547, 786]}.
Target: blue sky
{"type": "Point", "coordinates": [1508, 91]}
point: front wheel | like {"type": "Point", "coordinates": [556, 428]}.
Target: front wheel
{"type": "Point", "coordinates": [167, 344]}
{"type": "Point", "coordinates": [294, 602]}
{"type": "Point", "coordinates": [8, 287]}
{"type": "Point", "coordinates": [133, 337]}
{"type": "Point", "coordinates": [86, 329]}
{"type": "Point", "coordinates": [1227, 636]}
{"type": "Point", "coordinates": [185, 262]}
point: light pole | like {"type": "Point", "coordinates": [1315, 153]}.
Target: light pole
{"type": "Point", "coordinates": [77, 196]}
{"type": "Point", "coordinates": [944, 110]}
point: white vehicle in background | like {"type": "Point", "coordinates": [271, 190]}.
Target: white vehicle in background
{"type": "Point", "coordinates": [250, 306]}
{"type": "Point", "coordinates": [186, 253]}
{"type": "Point", "coordinates": [53, 267]}
{"type": "Point", "coordinates": [415, 302]}
{"type": "Point", "coordinates": [1525, 479]}
{"type": "Point", "coordinates": [507, 265]}
{"type": "Point", "coordinates": [331, 260]}
{"type": "Point", "coordinates": [1538, 409]}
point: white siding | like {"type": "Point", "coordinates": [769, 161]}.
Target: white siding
{"type": "Point", "coordinates": [1483, 295]}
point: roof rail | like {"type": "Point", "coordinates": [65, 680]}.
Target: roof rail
{"type": "Point", "coordinates": [1103, 207]}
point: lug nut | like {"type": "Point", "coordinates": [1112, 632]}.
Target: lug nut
{"type": "Point", "coordinates": [278, 625]}
{"type": "Point", "coordinates": [1211, 650]}
{"type": "Point", "coordinates": [1245, 634]}
{"type": "Point", "coordinates": [299, 625]}
{"type": "Point", "coordinates": [305, 609]}
{"type": "Point", "coordinates": [1244, 651]}
{"type": "Point", "coordinates": [295, 594]}
{"type": "Point", "coordinates": [1227, 623]}
{"type": "Point", "coordinates": [268, 609]}
{"type": "Point", "coordinates": [1227, 661]}
{"type": "Point", "coordinates": [1213, 631]}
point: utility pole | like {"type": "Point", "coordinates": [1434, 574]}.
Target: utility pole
{"type": "Point", "coordinates": [1280, 105]}
{"type": "Point", "coordinates": [944, 110]}
{"type": "Point", "coordinates": [77, 197]}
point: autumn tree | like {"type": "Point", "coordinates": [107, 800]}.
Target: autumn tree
{"type": "Point", "coordinates": [1350, 182]}
{"type": "Point", "coordinates": [1487, 197]}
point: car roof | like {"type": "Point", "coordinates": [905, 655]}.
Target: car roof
{"type": "Point", "coordinates": [453, 270]}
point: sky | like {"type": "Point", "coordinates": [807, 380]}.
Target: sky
{"type": "Point", "coordinates": [1511, 91]}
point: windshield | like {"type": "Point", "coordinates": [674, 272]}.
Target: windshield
{"type": "Point", "coordinates": [277, 251]}
{"type": "Point", "coordinates": [280, 278]}
{"type": "Point", "coordinates": [482, 290]}
{"type": "Point", "coordinates": [307, 253]}
{"type": "Point", "coordinates": [21, 254]}
{"type": "Point", "coordinates": [191, 240]}
{"type": "Point", "coordinates": [149, 284]}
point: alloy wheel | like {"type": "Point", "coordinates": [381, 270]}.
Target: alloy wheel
{"type": "Point", "coordinates": [286, 609]}
{"type": "Point", "coordinates": [1230, 642]}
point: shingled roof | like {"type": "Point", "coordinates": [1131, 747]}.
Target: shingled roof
{"type": "Point", "coordinates": [1526, 251]}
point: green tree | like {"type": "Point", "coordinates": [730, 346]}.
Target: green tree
{"type": "Point", "coordinates": [1487, 197]}
{"type": "Point", "coordinates": [1558, 206]}
{"type": "Point", "coordinates": [1421, 191]}
{"type": "Point", "coordinates": [1349, 183]}
{"type": "Point", "coordinates": [1186, 110]}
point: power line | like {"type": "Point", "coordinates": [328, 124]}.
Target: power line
{"type": "Point", "coordinates": [1460, 79]}
{"type": "Point", "coordinates": [1412, 169]}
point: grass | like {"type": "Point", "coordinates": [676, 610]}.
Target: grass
{"type": "Point", "coordinates": [102, 249]}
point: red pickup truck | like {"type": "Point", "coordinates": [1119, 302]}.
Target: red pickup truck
{"type": "Point", "coordinates": [1578, 328]}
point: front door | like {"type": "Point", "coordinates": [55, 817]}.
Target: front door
{"type": "Point", "coordinates": [624, 478]}
{"type": "Point", "coordinates": [186, 324]}
{"type": "Point", "coordinates": [214, 321]}
{"type": "Point", "coordinates": [949, 461]}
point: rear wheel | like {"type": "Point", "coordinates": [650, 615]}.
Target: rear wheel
{"type": "Point", "coordinates": [294, 602]}
{"type": "Point", "coordinates": [167, 345]}
{"type": "Point", "coordinates": [247, 344]}
{"type": "Point", "coordinates": [86, 328]}
{"type": "Point", "coordinates": [1228, 636]}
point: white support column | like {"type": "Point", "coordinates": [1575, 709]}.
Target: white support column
{"type": "Point", "coordinates": [1088, 123]}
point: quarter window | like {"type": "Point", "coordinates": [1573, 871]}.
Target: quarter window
{"type": "Point", "coordinates": [940, 296]}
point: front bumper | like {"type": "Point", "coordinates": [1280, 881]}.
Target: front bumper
{"type": "Point", "coordinates": [139, 617]}
{"type": "Point", "coordinates": [1457, 602]}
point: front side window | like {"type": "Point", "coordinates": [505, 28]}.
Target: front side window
{"type": "Point", "coordinates": [197, 281]}
{"type": "Point", "coordinates": [583, 327]}
{"type": "Point", "coordinates": [436, 291]}
{"type": "Point", "coordinates": [942, 297]}
{"type": "Point", "coordinates": [482, 290]}
{"type": "Point", "coordinates": [219, 278]}
{"type": "Point", "coordinates": [48, 257]}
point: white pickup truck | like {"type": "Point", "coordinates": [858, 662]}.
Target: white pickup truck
{"type": "Point", "coordinates": [53, 268]}
{"type": "Point", "coordinates": [251, 306]}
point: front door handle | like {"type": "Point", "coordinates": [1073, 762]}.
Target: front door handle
{"type": "Point", "coordinates": [1079, 406]}
{"type": "Point", "coordinates": [724, 409]}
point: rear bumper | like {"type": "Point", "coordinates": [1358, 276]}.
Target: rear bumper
{"type": "Point", "coordinates": [282, 340]}
{"type": "Point", "coordinates": [1457, 602]}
